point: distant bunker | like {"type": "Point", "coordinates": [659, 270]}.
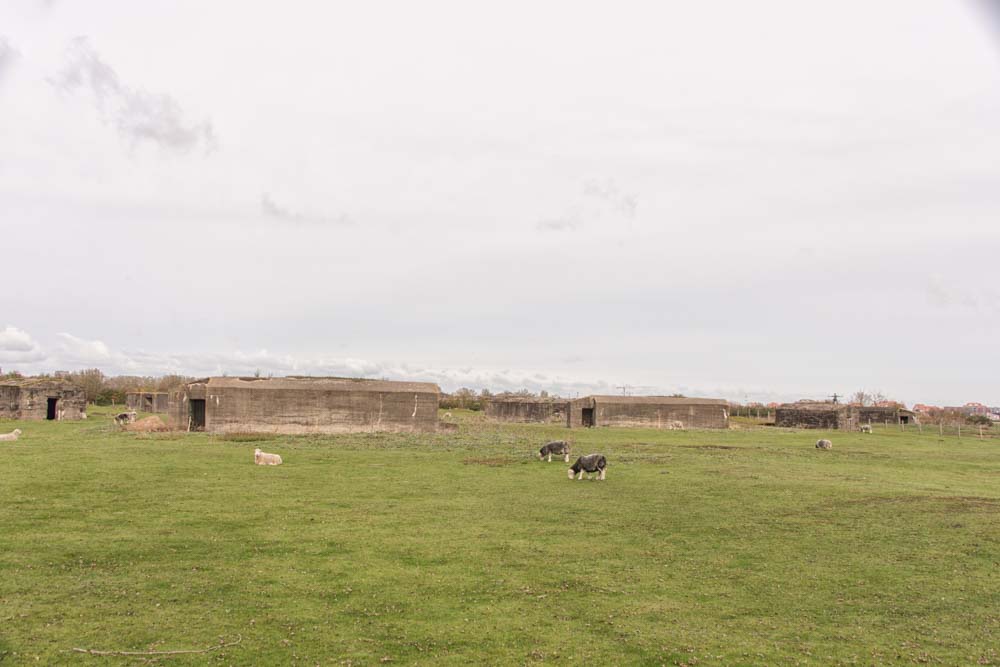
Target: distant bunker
{"type": "Point", "coordinates": [148, 401]}
{"type": "Point", "coordinates": [41, 399]}
{"type": "Point", "coordinates": [304, 405]}
{"type": "Point", "coordinates": [838, 416]}
{"type": "Point", "coordinates": [522, 410]}
{"type": "Point", "coordinates": [648, 412]}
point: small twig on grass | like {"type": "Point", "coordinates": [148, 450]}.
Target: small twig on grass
{"type": "Point", "coordinates": [91, 651]}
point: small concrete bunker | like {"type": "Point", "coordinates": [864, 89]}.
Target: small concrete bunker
{"type": "Point", "coordinates": [41, 399]}
{"type": "Point", "coordinates": [148, 401]}
{"type": "Point", "coordinates": [525, 410]}
{"type": "Point", "coordinates": [301, 404]}
{"type": "Point", "coordinates": [648, 412]}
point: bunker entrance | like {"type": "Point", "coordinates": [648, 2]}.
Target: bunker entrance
{"type": "Point", "coordinates": [197, 416]}
{"type": "Point", "coordinates": [50, 412]}
{"type": "Point", "coordinates": [587, 419]}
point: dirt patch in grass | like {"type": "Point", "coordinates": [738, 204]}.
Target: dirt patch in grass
{"type": "Point", "coordinates": [935, 503]}
{"type": "Point", "coordinates": [493, 462]}
{"type": "Point", "coordinates": [707, 447]}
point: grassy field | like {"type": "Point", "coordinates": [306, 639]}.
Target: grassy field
{"type": "Point", "coordinates": [709, 548]}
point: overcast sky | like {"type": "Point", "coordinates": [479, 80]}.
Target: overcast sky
{"type": "Point", "coordinates": [773, 200]}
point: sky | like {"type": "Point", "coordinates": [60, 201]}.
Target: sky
{"type": "Point", "coordinates": [755, 201]}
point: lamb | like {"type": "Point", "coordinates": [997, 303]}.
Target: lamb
{"type": "Point", "coordinates": [824, 444]}
{"type": "Point", "coordinates": [555, 447]}
{"type": "Point", "coordinates": [866, 428]}
{"type": "Point", "coordinates": [265, 459]}
{"type": "Point", "coordinates": [123, 418]}
{"type": "Point", "coordinates": [10, 437]}
{"type": "Point", "coordinates": [588, 464]}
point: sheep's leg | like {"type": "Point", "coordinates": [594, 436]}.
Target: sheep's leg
{"type": "Point", "coordinates": [550, 457]}
{"type": "Point", "coordinates": [580, 476]}
{"type": "Point", "coordinates": [600, 475]}
{"type": "Point", "coordinates": [567, 457]}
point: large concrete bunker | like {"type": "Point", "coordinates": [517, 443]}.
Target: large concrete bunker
{"type": "Point", "coordinates": [302, 404]}
{"type": "Point", "coordinates": [41, 399]}
{"type": "Point", "coordinates": [649, 412]}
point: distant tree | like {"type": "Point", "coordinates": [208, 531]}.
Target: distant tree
{"type": "Point", "coordinates": [979, 420]}
{"type": "Point", "coordinates": [861, 397]}
{"type": "Point", "coordinates": [92, 381]}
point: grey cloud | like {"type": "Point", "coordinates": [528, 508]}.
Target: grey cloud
{"type": "Point", "coordinates": [608, 191]}
{"type": "Point", "coordinates": [563, 224]}
{"type": "Point", "coordinates": [8, 54]}
{"type": "Point", "coordinates": [137, 115]}
{"type": "Point", "coordinates": [273, 210]}
{"type": "Point", "coordinates": [943, 295]}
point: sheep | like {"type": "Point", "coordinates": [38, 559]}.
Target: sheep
{"type": "Point", "coordinates": [555, 447]}
{"type": "Point", "coordinates": [588, 464]}
{"type": "Point", "coordinates": [824, 444]}
{"type": "Point", "coordinates": [676, 425]}
{"type": "Point", "coordinates": [866, 428]}
{"type": "Point", "coordinates": [123, 418]}
{"type": "Point", "coordinates": [264, 459]}
{"type": "Point", "coordinates": [10, 437]}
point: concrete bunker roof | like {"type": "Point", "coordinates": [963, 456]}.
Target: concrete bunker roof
{"type": "Point", "coordinates": [659, 400]}
{"type": "Point", "coordinates": [309, 383]}
{"type": "Point", "coordinates": [40, 383]}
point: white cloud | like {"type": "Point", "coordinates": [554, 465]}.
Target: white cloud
{"type": "Point", "coordinates": [17, 346]}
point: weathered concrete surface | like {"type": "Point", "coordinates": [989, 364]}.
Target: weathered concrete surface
{"type": "Point", "coordinates": [148, 401]}
{"type": "Point", "coordinates": [528, 410]}
{"type": "Point", "coordinates": [649, 412]}
{"type": "Point", "coordinates": [29, 398]}
{"type": "Point", "coordinates": [305, 405]}
{"type": "Point", "coordinates": [810, 414]}
{"type": "Point", "coordinates": [837, 416]}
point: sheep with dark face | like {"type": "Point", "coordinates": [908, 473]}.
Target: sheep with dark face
{"type": "Point", "coordinates": [588, 464]}
{"type": "Point", "coordinates": [557, 447]}
{"type": "Point", "coordinates": [824, 444]}
{"type": "Point", "coordinates": [123, 418]}
{"type": "Point", "coordinates": [866, 428]}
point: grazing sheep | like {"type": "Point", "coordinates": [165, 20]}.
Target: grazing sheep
{"type": "Point", "coordinates": [558, 447]}
{"type": "Point", "coordinates": [123, 418]}
{"type": "Point", "coordinates": [866, 428]}
{"type": "Point", "coordinates": [10, 437]}
{"type": "Point", "coordinates": [676, 426]}
{"type": "Point", "coordinates": [588, 464]}
{"type": "Point", "coordinates": [824, 444]}
{"type": "Point", "coordinates": [264, 459]}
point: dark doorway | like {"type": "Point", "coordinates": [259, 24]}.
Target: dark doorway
{"type": "Point", "coordinates": [904, 419]}
{"type": "Point", "coordinates": [50, 413]}
{"type": "Point", "coordinates": [147, 403]}
{"type": "Point", "coordinates": [197, 414]}
{"type": "Point", "coordinates": [588, 416]}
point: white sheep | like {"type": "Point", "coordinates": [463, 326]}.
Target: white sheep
{"type": "Point", "coordinates": [10, 437]}
{"type": "Point", "coordinates": [824, 444]}
{"type": "Point", "coordinates": [265, 459]}
{"type": "Point", "coordinates": [866, 428]}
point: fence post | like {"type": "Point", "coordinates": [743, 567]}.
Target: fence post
{"type": "Point", "coordinates": [960, 431]}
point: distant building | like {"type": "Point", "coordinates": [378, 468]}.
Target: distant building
{"type": "Point", "coordinates": [528, 410]}
{"type": "Point", "coordinates": [148, 401]}
{"type": "Point", "coordinates": [41, 399]}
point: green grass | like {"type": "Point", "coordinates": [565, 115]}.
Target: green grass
{"type": "Point", "coordinates": [710, 548]}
